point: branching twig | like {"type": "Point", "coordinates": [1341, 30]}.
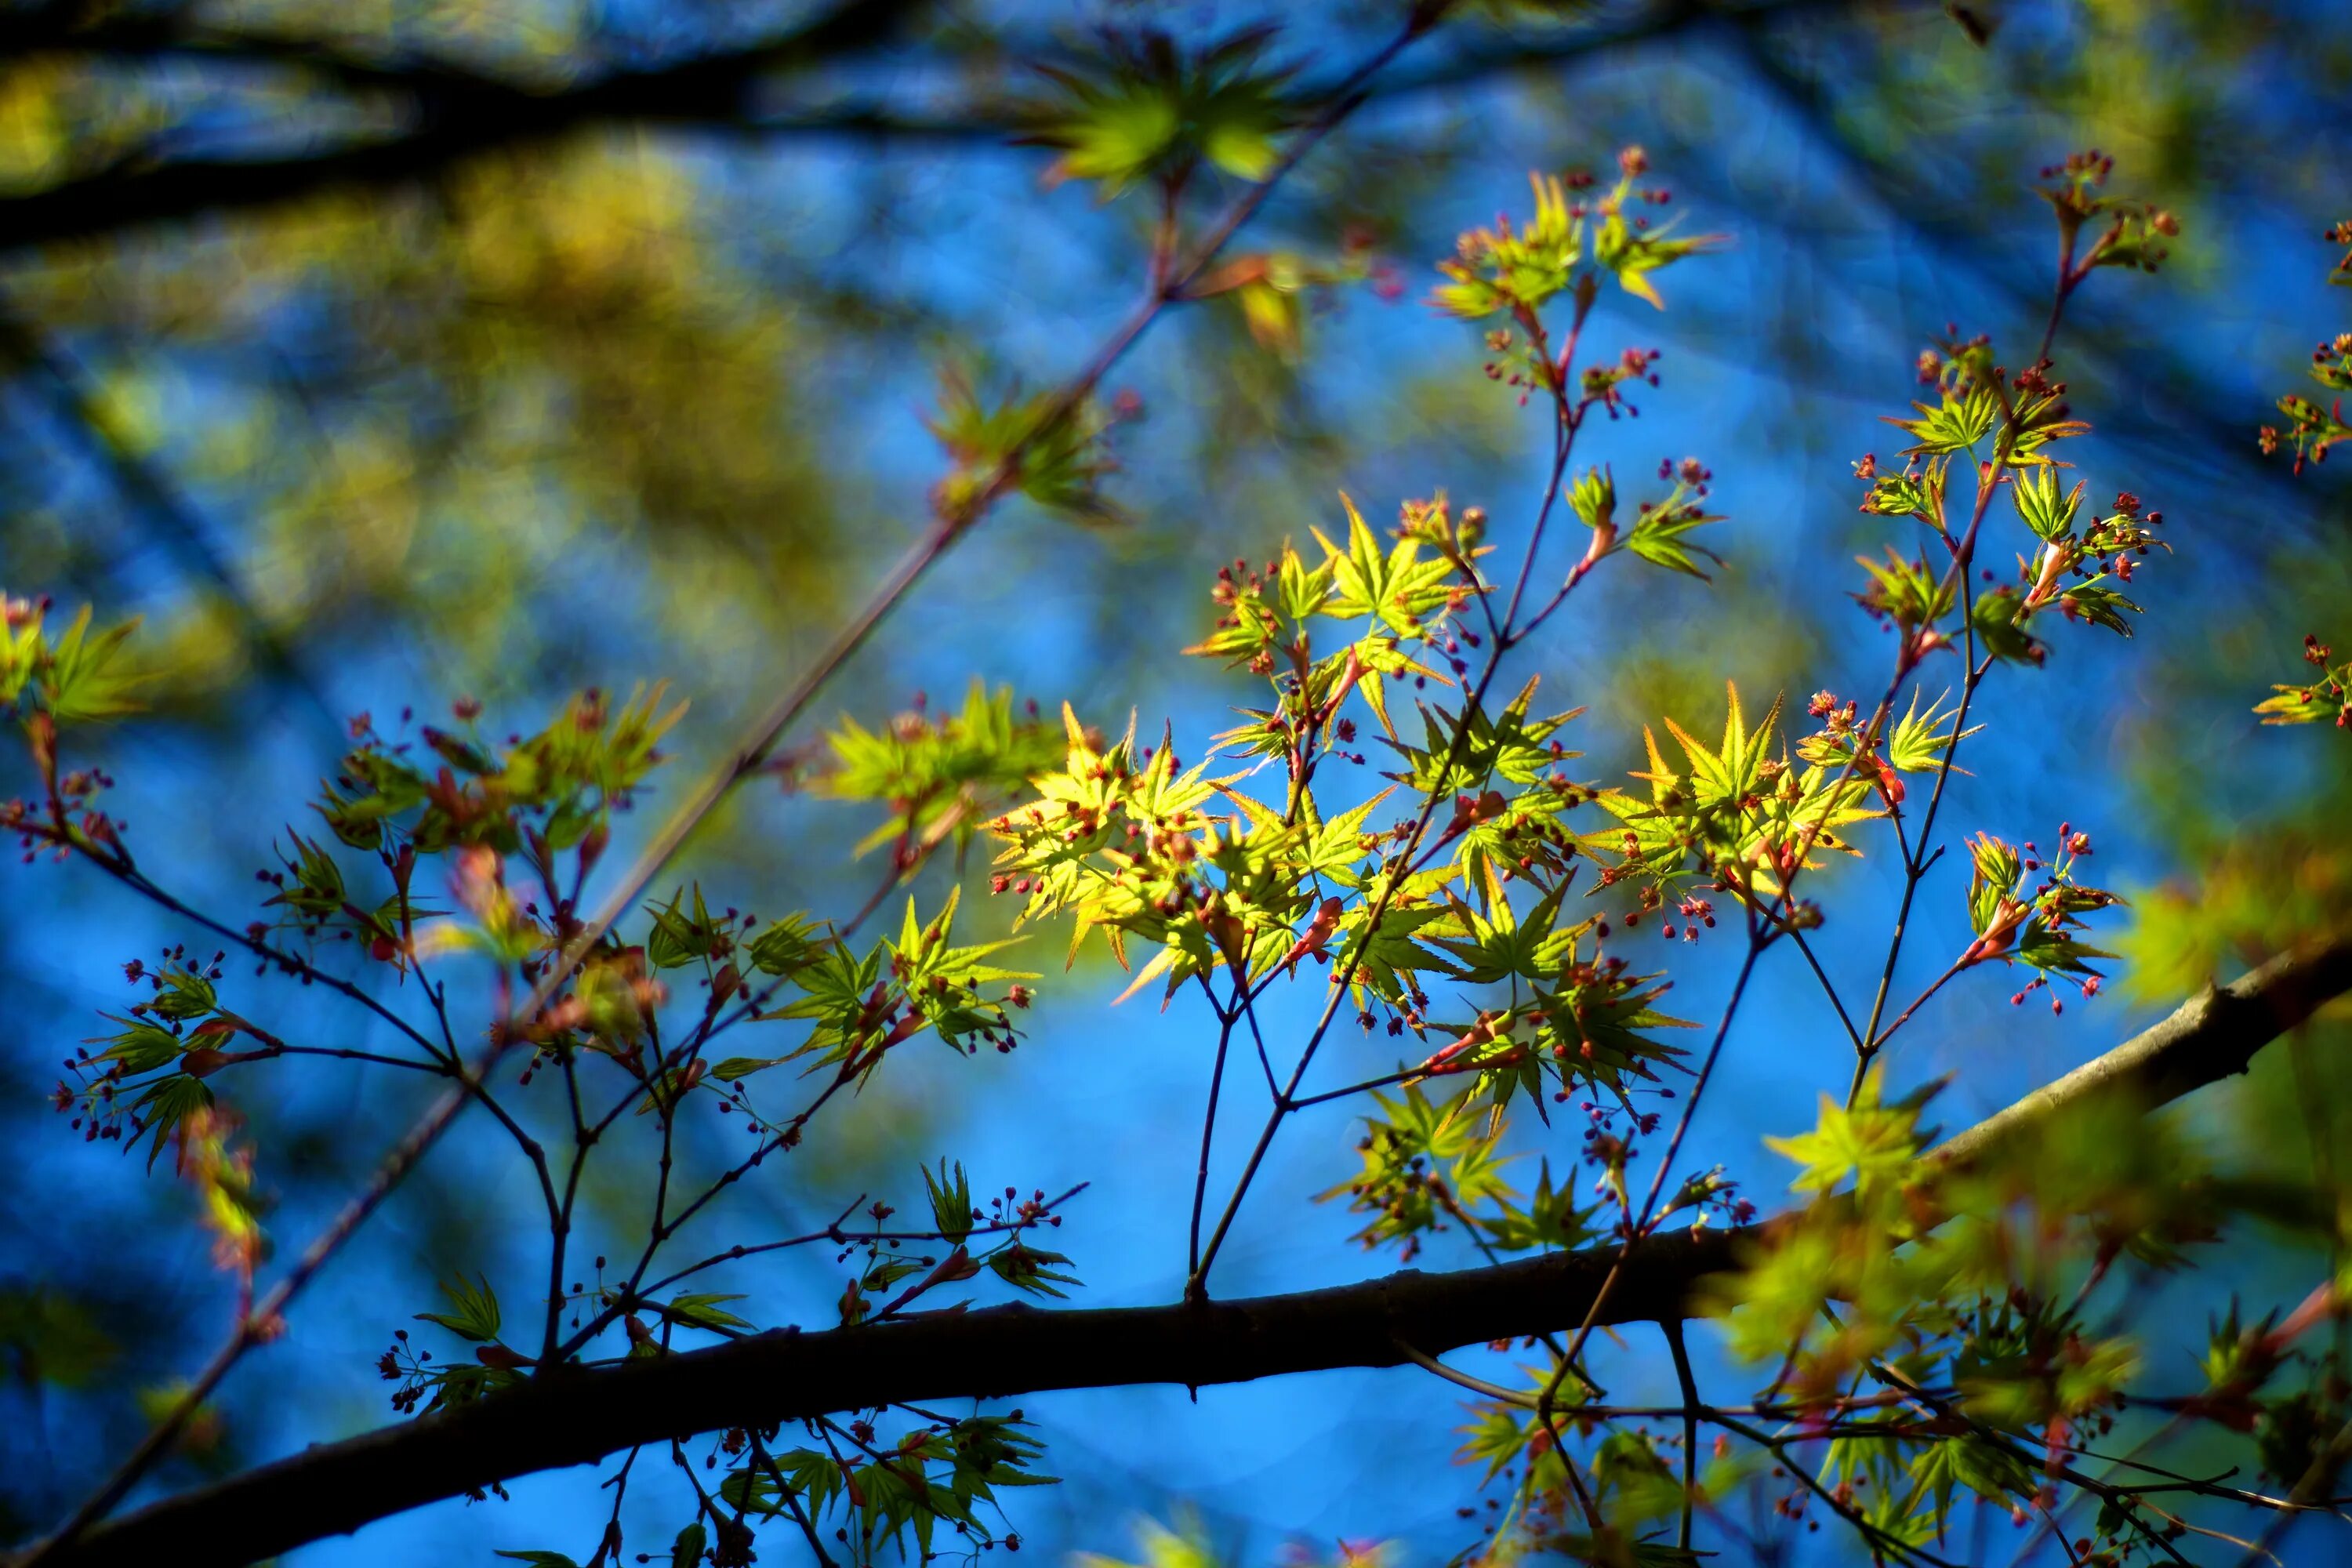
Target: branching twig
{"type": "Point", "coordinates": [765, 1378]}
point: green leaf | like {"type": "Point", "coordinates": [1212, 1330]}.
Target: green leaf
{"type": "Point", "coordinates": [1498, 1437]}
{"type": "Point", "coordinates": [950, 1201]}
{"type": "Point", "coordinates": [1964, 416]}
{"type": "Point", "coordinates": [141, 1047]}
{"type": "Point", "coordinates": [680, 933]}
{"type": "Point", "coordinates": [1507, 269]}
{"type": "Point", "coordinates": [1911, 493]}
{"type": "Point", "coordinates": [940, 774]}
{"type": "Point", "coordinates": [686, 1551]}
{"type": "Point", "coordinates": [86, 678]}
{"type": "Point", "coordinates": [1525, 946]}
{"type": "Point", "coordinates": [1658, 537]}
{"type": "Point", "coordinates": [1395, 588]}
{"type": "Point", "coordinates": [1988, 1469]}
{"type": "Point", "coordinates": [1552, 1219]}
{"type": "Point", "coordinates": [474, 1313]}
{"type": "Point", "coordinates": [1919, 740]}
{"type": "Point", "coordinates": [702, 1312]}
{"type": "Point", "coordinates": [788, 946]}
{"type": "Point", "coordinates": [753, 1490]}
{"type": "Point", "coordinates": [887, 1271]}
{"type": "Point", "coordinates": [1149, 109]}
{"type": "Point", "coordinates": [1389, 954]}
{"type": "Point", "coordinates": [2046, 509]}
{"type": "Point", "coordinates": [1054, 451]}
{"type": "Point", "coordinates": [1632, 253]}
{"type": "Point", "coordinates": [2326, 698]}
{"type": "Point", "coordinates": [1030, 1268]}
{"type": "Point", "coordinates": [1593, 498]}
{"type": "Point", "coordinates": [185, 994]}
{"type": "Point", "coordinates": [2100, 606]}
{"type": "Point", "coordinates": [166, 1106]}
{"type": "Point", "coordinates": [1996, 869]}
{"type": "Point", "coordinates": [1908, 593]}
{"type": "Point", "coordinates": [1995, 618]}
{"type": "Point", "coordinates": [2054, 953]}
{"type": "Point", "coordinates": [1870, 1142]}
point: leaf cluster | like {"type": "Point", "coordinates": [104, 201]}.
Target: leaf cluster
{"type": "Point", "coordinates": [938, 777]}
{"type": "Point", "coordinates": [1149, 109]}
{"type": "Point", "coordinates": [1572, 240]}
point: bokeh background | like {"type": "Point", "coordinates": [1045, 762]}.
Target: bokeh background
{"type": "Point", "coordinates": [387, 352]}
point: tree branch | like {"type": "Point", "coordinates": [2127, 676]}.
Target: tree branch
{"type": "Point", "coordinates": [455, 113]}
{"type": "Point", "coordinates": [452, 115]}
{"type": "Point", "coordinates": [2210, 1036]}
{"type": "Point", "coordinates": [578, 1417]}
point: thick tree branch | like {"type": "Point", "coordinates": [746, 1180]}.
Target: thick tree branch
{"type": "Point", "coordinates": [2210, 1036]}
{"type": "Point", "coordinates": [455, 113]}
{"type": "Point", "coordinates": [452, 115]}
{"type": "Point", "coordinates": [580, 1416]}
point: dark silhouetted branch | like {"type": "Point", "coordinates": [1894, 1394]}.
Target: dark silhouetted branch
{"type": "Point", "coordinates": [579, 1417]}
{"type": "Point", "coordinates": [453, 113]}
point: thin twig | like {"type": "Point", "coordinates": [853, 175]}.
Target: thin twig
{"type": "Point", "coordinates": [1672, 1329]}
